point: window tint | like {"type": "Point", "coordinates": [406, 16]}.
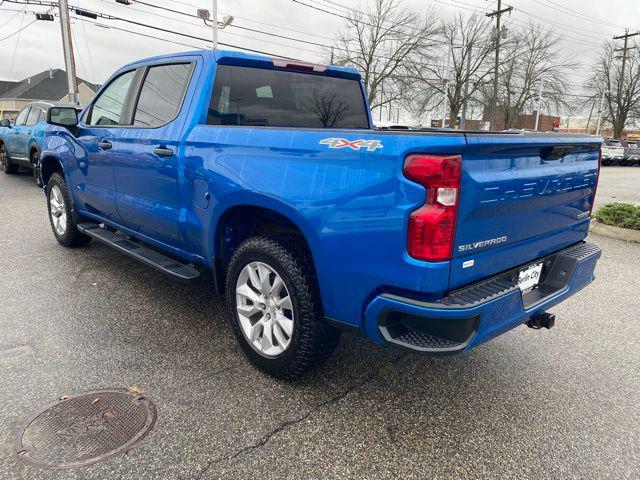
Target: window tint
{"type": "Point", "coordinates": [161, 94]}
{"type": "Point", "coordinates": [22, 116]}
{"type": "Point", "coordinates": [109, 106]}
{"type": "Point", "coordinates": [259, 97]}
{"type": "Point", "coordinates": [34, 116]}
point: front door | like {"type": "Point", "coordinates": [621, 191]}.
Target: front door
{"type": "Point", "coordinates": [105, 120]}
{"type": "Point", "coordinates": [147, 155]}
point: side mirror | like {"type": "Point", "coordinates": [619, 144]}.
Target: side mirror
{"type": "Point", "coordinates": [62, 116]}
{"type": "Point", "coordinates": [5, 123]}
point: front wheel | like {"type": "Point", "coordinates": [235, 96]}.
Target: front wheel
{"type": "Point", "coordinates": [61, 216]}
{"type": "Point", "coordinates": [276, 311]}
{"type": "Point", "coordinates": [35, 167]}
{"type": "Point", "coordinates": [8, 167]}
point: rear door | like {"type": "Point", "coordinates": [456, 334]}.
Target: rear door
{"type": "Point", "coordinates": [147, 153]}
{"type": "Point", "coordinates": [15, 141]}
{"type": "Point", "coordinates": [522, 196]}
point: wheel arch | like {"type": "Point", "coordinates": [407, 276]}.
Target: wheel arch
{"type": "Point", "coordinates": [49, 164]}
{"type": "Point", "coordinates": [239, 221]}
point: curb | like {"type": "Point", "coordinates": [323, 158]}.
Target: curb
{"type": "Point", "coordinates": [618, 233]}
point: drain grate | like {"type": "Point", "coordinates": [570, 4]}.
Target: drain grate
{"type": "Point", "coordinates": [85, 429]}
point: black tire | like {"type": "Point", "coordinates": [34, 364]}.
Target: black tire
{"type": "Point", "coordinates": [312, 340]}
{"type": "Point", "coordinates": [35, 167]}
{"type": "Point", "coordinates": [71, 237]}
{"type": "Point", "coordinates": [8, 167]}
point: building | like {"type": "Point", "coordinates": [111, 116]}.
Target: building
{"type": "Point", "coordinates": [49, 85]}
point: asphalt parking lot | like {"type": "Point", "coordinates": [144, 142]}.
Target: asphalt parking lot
{"type": "Point", "coordinates": [563, 403]}
{"type": "Point", "coordinates": [618, 184]}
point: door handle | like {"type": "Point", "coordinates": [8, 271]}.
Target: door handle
{"type": "Point", "coordinates": [105, 145]}
{"type": "Point", "coordinates": [163, 152]}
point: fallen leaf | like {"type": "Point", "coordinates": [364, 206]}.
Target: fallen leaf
{"type": "Point", "coordinates": [64, 397]}
{"type": "Point", "coordinates": [136, 391]}
{"type": "Point", "coordinates": [95, 401]}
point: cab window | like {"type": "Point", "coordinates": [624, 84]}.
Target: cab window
{"type": "Point", "coordinates": [22, 116]}
{"type": "Point", "coordinates": [108, 109]}
{"type": "Point", "coordinates": [34, 116]}
{"type": "Point", "coordinates": [161, 94]}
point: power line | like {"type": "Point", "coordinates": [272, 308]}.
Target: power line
{"type": "Point", "coordinates": [583, 16]}
{"type": "Point", "coordinates": [564, 36]}
{"type": "Point", "coordinates": [18, 12]}
{"type": "Point", "coordinates": [113, 27]}
{"type": "Point", "coordinates": [284, 37]}
{"type": "Point", "coordinates": [17, 32]}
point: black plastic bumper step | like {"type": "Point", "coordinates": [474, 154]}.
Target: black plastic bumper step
{"type": "Point", "coordinates": [167, 265]}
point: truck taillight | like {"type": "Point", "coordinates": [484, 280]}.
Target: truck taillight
{"type": "Point", "coordinates": [432, 227]}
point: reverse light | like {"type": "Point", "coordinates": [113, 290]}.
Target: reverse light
{"type": "Point", "coordinates": [432, 227]}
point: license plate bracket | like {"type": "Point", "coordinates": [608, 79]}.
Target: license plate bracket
{"type": "Point", "coordinates": [529, 277]}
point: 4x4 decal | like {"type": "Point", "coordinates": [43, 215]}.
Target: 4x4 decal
{"type": "Point", "coordinates": [369, 145]}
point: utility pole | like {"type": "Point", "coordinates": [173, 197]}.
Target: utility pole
{"type": "Point", "coordinates": [624, 51]}
{"type": "Point", "coordinates": [494, 96]}
{"type": "Point", "coordinates": [539, 103]}
{"type": "Point", "coordinates": [463, 119]}
{"type": "Point", "coordinates": [67, 46]}
{"type": "Point", "coordinates": [444, 91]}
{"type": "Point", "coordinates": [600, 114]}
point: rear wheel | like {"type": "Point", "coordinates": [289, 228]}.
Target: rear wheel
{"type": "Point", "coordinates": [8, 167]}
{"type": "Point", "coordinates": [276, 311]}
{"type": "Point", "coordinates": [35, 167]}
{"type": "Point", "coordinates": [61, 215]}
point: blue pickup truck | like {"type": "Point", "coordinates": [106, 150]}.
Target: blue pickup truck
{"type": "Point", "coordinates": [267, 177]}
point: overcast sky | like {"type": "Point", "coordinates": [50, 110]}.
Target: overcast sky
{"type": "Point", "coordinates": [99, 51]}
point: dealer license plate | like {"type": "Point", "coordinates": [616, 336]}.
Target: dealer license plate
{"type": "Point", "coordinates": [529, 277]}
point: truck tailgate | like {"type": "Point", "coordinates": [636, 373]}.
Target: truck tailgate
{"type": "Point", "coordinates": [522, 196]}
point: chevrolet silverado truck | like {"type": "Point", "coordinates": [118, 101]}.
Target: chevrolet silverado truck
{"type": "Point", "coordinates": [267, 177]}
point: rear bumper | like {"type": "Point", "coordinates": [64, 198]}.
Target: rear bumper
{"type": "Point", "coordinates": [482, 311]}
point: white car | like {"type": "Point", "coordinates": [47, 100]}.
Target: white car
{"type": "Point", "coordinates": [612, 152]}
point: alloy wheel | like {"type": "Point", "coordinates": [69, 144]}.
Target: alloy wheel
{"type": "Point", "coordinates": [58, 210]}
{"type": "Point", "coordinates": [265, 310]}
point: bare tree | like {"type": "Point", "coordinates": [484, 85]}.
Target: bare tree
{"type": "Point", "coordinates": [467, 47]}
{"type": "Point", "coordinates": [382, 42]}
{"type": "Point", "coordinates": [622, 95]}
{"type": "Point", "coordinates": [532, 59]}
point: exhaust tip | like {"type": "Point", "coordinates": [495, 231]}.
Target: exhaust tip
{"type": "Point", "coordinates": [542, 320]}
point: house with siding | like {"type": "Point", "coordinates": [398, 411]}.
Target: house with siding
{"type": "Point", "coordinates": [49, 85]}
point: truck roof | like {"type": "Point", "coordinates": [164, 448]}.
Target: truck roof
{"type": "Point", "coordinates": [231, 57]}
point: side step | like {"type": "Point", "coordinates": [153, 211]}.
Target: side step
{"type": "Point", "coordinates": [167, 265]}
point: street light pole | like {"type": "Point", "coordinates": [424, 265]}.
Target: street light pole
{"type": "Point", "coordinates": [539, 103]}
{"type": "Point", "coordinates": [214, 18]}
{"type": "Point", "coordinates": [67, 46]}
{"type": "Point", "coordinates": [445, 91]}
{"type": "Point", "coordinates": [463, 120]}
{"type": "Point", "coordinates": [600, 113]}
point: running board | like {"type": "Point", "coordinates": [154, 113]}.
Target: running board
{"type": "Point", "coordinates": [179, 271]}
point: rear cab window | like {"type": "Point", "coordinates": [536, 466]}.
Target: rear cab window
{"type": "Point", "coordinates": [249, 96]}
{"type": "Point", "coordinates": [161, 94]}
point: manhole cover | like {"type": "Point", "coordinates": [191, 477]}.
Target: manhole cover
{"type": "Point", "coordinates": [85, 429]}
